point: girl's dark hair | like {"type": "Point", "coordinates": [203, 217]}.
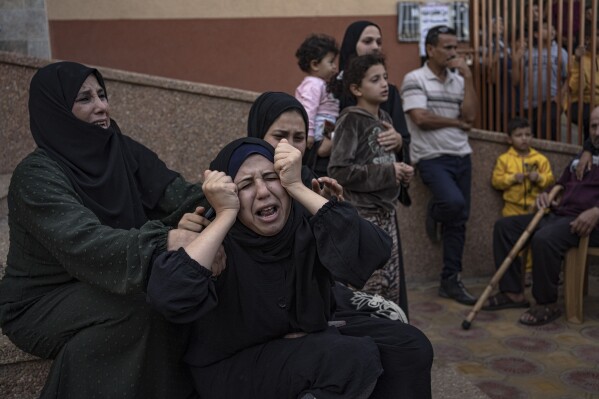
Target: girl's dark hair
{"type": "Point", "coordinates": [357, 68]}
{"type": "Point", "coordinates": [315, 48]}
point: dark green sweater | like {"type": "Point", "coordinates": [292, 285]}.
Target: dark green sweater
{"type": "Point", "coordinates": [55, 239]}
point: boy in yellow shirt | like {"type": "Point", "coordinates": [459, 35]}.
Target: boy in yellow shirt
{"type": "Point", "coordinates": [521, 173]}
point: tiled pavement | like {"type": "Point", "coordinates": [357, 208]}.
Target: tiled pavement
{"type": "Point", "coordinates": [507, 360]}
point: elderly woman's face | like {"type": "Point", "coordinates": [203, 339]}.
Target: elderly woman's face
{"type": "Point", "coordinates": [91, 103]}
{"type": "Point", "coordinates": [264, 203]}
{"type": "Point", "coordinates": [290, 125]}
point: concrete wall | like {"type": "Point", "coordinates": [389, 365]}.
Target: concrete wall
{"type": "Point", "coordinates": [24, 27]}
{"type": "Point", "coordinates": [187, 123]}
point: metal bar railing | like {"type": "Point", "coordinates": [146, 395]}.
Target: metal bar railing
{"type": "Point", "coordinates": [502, 26]}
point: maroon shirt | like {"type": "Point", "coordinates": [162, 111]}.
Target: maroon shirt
{"type": "Point", "coordinates": [578, 196]}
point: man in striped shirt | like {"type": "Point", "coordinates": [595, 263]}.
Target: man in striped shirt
{"type": "Point", "coordinates": [440, 101]}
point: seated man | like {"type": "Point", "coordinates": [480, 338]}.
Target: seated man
{"type": "Point", "coordinates": [575, 216]}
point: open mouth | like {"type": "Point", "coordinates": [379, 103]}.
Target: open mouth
{"type": "Point", "coordinates": [102, 123]}
{"type": "Point", "coordinates": [269, 213]}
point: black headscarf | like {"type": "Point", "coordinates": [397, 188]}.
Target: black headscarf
{"type": "Point", "coordinates": [350, 41]}
{"type": "Point", "coordinates": [308, 297]}
{"type": "Point", "coordinates": [393, 105]}
{"type": "Point", "coordinates": [115, 176]}
{"type": "Point", "coordinates": [266, 110]}
{"type": "Point", "coordinates": [348, 51]}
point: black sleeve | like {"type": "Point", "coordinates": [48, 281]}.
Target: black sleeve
{"type": "Point", "coordinates": [178, 198]}
{"type": "Point", "coordinates": [350, 247]}
{"type": "Point", "coordinates": [180, 288]}
{"type": "Point", "coordinates": [394, 108]}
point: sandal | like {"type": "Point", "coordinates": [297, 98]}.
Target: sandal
{"type": "Point", "coordinates": [540, 315]}
{"type": "Point", "coordinates": [502, 301]}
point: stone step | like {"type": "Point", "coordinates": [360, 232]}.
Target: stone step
{"type": "Point", "coordinates": [23, 380]}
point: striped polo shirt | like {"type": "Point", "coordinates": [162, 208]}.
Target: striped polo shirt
{"type": "Point", "coordinates": [421, 88]}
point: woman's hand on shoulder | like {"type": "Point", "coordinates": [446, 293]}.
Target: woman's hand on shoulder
{"type": "Point", "coordinates": [221, 192]}
{"type": "Point", "coordinates": [584, 164]}
{"type": "Point", "coordinates": [288, 164]}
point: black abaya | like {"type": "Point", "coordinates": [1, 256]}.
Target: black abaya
{"type": "Point", "coordinates": [273, 286]}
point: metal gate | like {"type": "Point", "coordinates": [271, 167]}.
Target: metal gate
{"type": "Point", "coordinates": [536, 59]}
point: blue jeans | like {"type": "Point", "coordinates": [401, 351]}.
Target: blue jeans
{"type": "Point", "coordinates": [449, 177]}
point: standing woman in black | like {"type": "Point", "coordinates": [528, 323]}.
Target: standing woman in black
{"type": "Point", "coordinates": [275, 116]}
{"type": "Point", "coordinates": [361, 38]}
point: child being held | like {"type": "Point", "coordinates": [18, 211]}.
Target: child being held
{"type": "Point", "coordinates": [521, 173]}
{"type": "Point", "coordinates": [316, 57]}
{"type": "Point", "coordinates": [364, 161]}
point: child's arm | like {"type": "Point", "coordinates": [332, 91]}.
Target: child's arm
{"type": "Point", "coordinates": [544, 174]}
{"type": "Point", "coordinates": [502, 179]}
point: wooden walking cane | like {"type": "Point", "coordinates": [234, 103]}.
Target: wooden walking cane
{"type": "Point", "coordinates": [508, 260]}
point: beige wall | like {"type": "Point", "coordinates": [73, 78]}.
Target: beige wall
{"type": "Point", "coordinates": [183, 9]}
{"type": "Point", "coordinates": [188, 123]}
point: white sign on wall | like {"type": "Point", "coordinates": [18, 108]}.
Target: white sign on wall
{"type": "Point", "coordinates": [416, 18]}
{"type": "Point", "coordinates": [432, 14]}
